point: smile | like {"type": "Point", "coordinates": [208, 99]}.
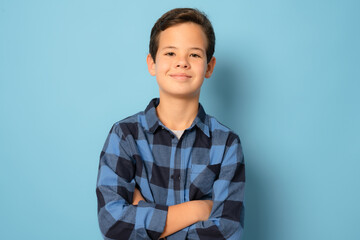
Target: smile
{"type": "Point", "coordinates": [180, 76]}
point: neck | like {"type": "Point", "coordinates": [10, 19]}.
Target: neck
{"type": "Point", "coordinates": [177, 113]}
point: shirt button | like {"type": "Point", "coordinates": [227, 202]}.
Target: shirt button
{"type": "Point", "coordinates": [179, 177]}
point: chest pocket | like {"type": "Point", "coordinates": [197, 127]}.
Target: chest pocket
{"type": "Point", "coordinates": [202, 179]}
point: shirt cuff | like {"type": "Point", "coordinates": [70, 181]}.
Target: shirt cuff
{"type": "Point", "coordinates": [151, 217]}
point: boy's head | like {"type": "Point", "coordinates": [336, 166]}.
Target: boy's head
{"type": "Point", "coordinates": [178, 16]}
{"type": "Point", "coordinates": [181, 50]}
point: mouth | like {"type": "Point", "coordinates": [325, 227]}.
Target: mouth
{"type": "Point", "coordinates": [180, 76]}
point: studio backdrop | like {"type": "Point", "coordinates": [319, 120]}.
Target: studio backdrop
{"type": "Point", "coordinates": [287, 80]}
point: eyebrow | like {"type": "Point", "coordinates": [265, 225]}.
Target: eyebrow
{"type": "Point", "coordinates": [193, 48]}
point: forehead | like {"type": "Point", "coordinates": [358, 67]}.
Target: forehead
{"type": "Point", "coordinates": [183, 34]}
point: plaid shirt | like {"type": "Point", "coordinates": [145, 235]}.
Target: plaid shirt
{"type": "Point", "coordinates": [205, 163]}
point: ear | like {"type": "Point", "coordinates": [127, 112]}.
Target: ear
{"type": "Point", "coordinates": [151, 64]}
{"type": "Point", "coordinates": [210, 67]}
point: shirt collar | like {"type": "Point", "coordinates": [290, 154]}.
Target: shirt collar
{"type": "Point", "coordinates": [153, 122]}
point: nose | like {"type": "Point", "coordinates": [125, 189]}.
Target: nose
{"type": "Point", "coordinates": [182, 63]}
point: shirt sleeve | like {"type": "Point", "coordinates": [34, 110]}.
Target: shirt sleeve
{"type": "Point", "coordinates": [226, 220]}
{"type": "Point", "coordinates": [118, 218]}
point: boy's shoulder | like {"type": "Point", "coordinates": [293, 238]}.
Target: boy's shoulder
{"type": "Point", "coordinates": [140, 119]}
{"type": "Point", "coordinates": [135, 118]}
{"type": "Point", "coordinates": [222, 132]}
{"type": "Point", "coordinates": [130, 125]}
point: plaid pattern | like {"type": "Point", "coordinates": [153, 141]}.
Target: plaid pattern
{"type": "Point", "coordinates": [205, 163]}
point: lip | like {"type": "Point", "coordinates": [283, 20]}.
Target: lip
{"type": "Point", "coordinates": [180, 76]}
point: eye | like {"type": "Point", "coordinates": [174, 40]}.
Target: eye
{"type": "Point", "coordinates": [170, 54]}
{"type": "Point", "coordinates": [195, 55]}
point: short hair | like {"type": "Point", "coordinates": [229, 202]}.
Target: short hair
{"type": "Point", "coordinates": [182, 15]}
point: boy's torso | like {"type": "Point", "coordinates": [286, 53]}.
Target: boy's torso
{"type": "Point", "coordinates": [169, 170]}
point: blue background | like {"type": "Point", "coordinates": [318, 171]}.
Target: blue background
{"type": "Point", "coordinates": [286, 80]}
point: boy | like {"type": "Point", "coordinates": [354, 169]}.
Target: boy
{"type": "Point", "coordinates": [172, 170]}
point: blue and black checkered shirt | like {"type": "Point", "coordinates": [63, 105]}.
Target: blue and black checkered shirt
{"type": "Point", "coordinates": [206, 163]}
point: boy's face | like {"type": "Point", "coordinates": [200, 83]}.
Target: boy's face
{"type": "Point", "coordinates": [181, 64]}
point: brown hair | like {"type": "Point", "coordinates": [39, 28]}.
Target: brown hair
{"type": "Point", "coordinates": [182, 15]}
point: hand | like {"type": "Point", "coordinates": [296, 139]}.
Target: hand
{"type": "Point", "coordinates": [137, 197]}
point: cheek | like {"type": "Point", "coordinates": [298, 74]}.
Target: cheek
{"type": "Point", "coordinates": [162, 67]}
{"type": "Point", "coordinates": [201, 68]}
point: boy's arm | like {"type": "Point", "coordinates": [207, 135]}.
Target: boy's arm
{"type": "Point", "coordinates": [185, 214]}
{"type": "Point", "coordinates": [226, 220]}
{"type": "Point", "coordinates": [181, 215]}
{"type": "Point", "coordinates": [118, 218]}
